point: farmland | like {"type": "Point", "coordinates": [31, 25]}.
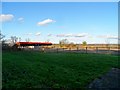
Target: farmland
{"type": "Point", "coordinates": [32, 69]}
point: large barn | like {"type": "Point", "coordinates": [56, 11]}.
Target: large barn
{"type": "Point", "coordinates": [35, 45]}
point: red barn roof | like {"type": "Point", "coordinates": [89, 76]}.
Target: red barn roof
{"type": "Point", "coordinates": [33, 43]}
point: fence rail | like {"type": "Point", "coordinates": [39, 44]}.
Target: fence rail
{"type": "Point", "coordinates": [101, 50]}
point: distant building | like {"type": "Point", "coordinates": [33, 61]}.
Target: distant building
{"type": "Point", "coordinates": [35, 45]}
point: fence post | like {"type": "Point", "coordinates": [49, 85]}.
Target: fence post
{"type": "Point", "coordinates": [57, 50]}
{"type": "Point", "coordinates": [69, 49]}
{"type": "Point", "coordinates": [86, 49]}
{"type": "Point", "coordinates": [96, 49]}
{"type": "Point", "coordinates": [109, 50]}
{"type": "Point", "coordinates": [77, 48]}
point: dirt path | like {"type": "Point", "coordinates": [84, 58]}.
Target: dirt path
{"type": "Point", "coordinates": [111, 80]}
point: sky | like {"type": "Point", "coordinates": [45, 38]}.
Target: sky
{"type": "Point", "coordinates": [93, 22]}
{"type": "Point", "coordinates": [60, 0]}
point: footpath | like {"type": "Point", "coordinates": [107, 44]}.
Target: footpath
{"type": "Point", "coordinates": [109, 81]}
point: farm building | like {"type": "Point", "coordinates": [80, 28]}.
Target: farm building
{"type": "Point", "coordinates": [35, 45]}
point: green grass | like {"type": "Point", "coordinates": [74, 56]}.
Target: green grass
{"type": "Point", "coordinates": [25, 69]}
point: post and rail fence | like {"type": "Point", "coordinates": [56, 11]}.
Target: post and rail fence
{"type": "Point", "coordinates": [78, 49]}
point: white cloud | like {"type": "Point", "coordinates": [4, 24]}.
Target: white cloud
{"type": "Point", "coordinates": [68, 35]}
{"type": "Point", "coordinates": [113, 37]}
{"type": "Point", "coordinates": [108, 36]}
{"type": "Point", "coordinates": [6, 17]}
{"type": "Point", "coordinates": [38, 33]}
{"type": "Point", "coordinates": [72, 35]}
{"type": "Point", "coordinates": [45, 22]}
{"type": "Point", "coordinates": [21, 19]}
{"type": "Point", "coordinates": [81, 35]}
{"type": "Point", "coordinates": [60, 35]}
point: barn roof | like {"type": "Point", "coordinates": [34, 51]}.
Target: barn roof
{"type": "Point", "coordinates": [33, 43]}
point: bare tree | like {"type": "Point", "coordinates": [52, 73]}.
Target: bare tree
{"type": "Point", "coordinates": [14, 39]}
{"type": "Point", "coordinates": [72, 45]}
{"type": "Point", "coordinates": [2, 40]}
{"type": "Point", "coordinates": [63, 42]}
{"type": "Point", "coordinates": [1, 36]}
{"type": "Point", "coordinates": [19, 39]}
{"type": "Point", "coordinates": [27, 39]}
{"type": "Point", "coordinates": [3, 43]}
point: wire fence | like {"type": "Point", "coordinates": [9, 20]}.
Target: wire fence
{"type": "Point", "coordinates": [100, 50]}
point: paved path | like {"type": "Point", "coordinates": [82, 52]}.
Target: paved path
{"type": "Point", "coordinates": [109, 81]}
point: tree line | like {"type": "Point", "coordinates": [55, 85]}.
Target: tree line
{"type": "Point", "coordinates": [65, 43]}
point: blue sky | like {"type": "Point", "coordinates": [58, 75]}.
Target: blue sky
{"type": "Point", "coordinates": [94, 22]}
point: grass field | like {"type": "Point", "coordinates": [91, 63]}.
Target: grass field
{"type": "Point", "coordinates": [25, 69]}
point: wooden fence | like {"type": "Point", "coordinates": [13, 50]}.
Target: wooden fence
{"type": "Point", "coordinates": [100, 50]}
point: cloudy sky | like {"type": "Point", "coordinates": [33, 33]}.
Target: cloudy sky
{"type": "Point", "coordinates": [94, 22]}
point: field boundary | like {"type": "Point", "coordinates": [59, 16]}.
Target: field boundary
{"type": "Point", "coordinates": [98, 50]}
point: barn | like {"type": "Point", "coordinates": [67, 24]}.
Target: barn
{"type": "Point", "coordinates": [35, 45]}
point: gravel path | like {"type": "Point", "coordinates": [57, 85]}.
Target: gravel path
{"type": "Point", "coordinates": [109, 81]}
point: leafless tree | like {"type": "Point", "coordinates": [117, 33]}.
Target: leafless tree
{"type": "Point", "coordinates": [19, 39]}
{"type": "Point", "coordinates": [27, 39]}
{"type": "Point", "coordinates": [14, 39]}
{"type": "Point", "coordinates": [63, 42]}
{"type": "Point", "coordinates": [1, 36]}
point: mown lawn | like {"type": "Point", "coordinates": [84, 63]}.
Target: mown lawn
{"type": "Point", "coordinates": [25, 69]}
